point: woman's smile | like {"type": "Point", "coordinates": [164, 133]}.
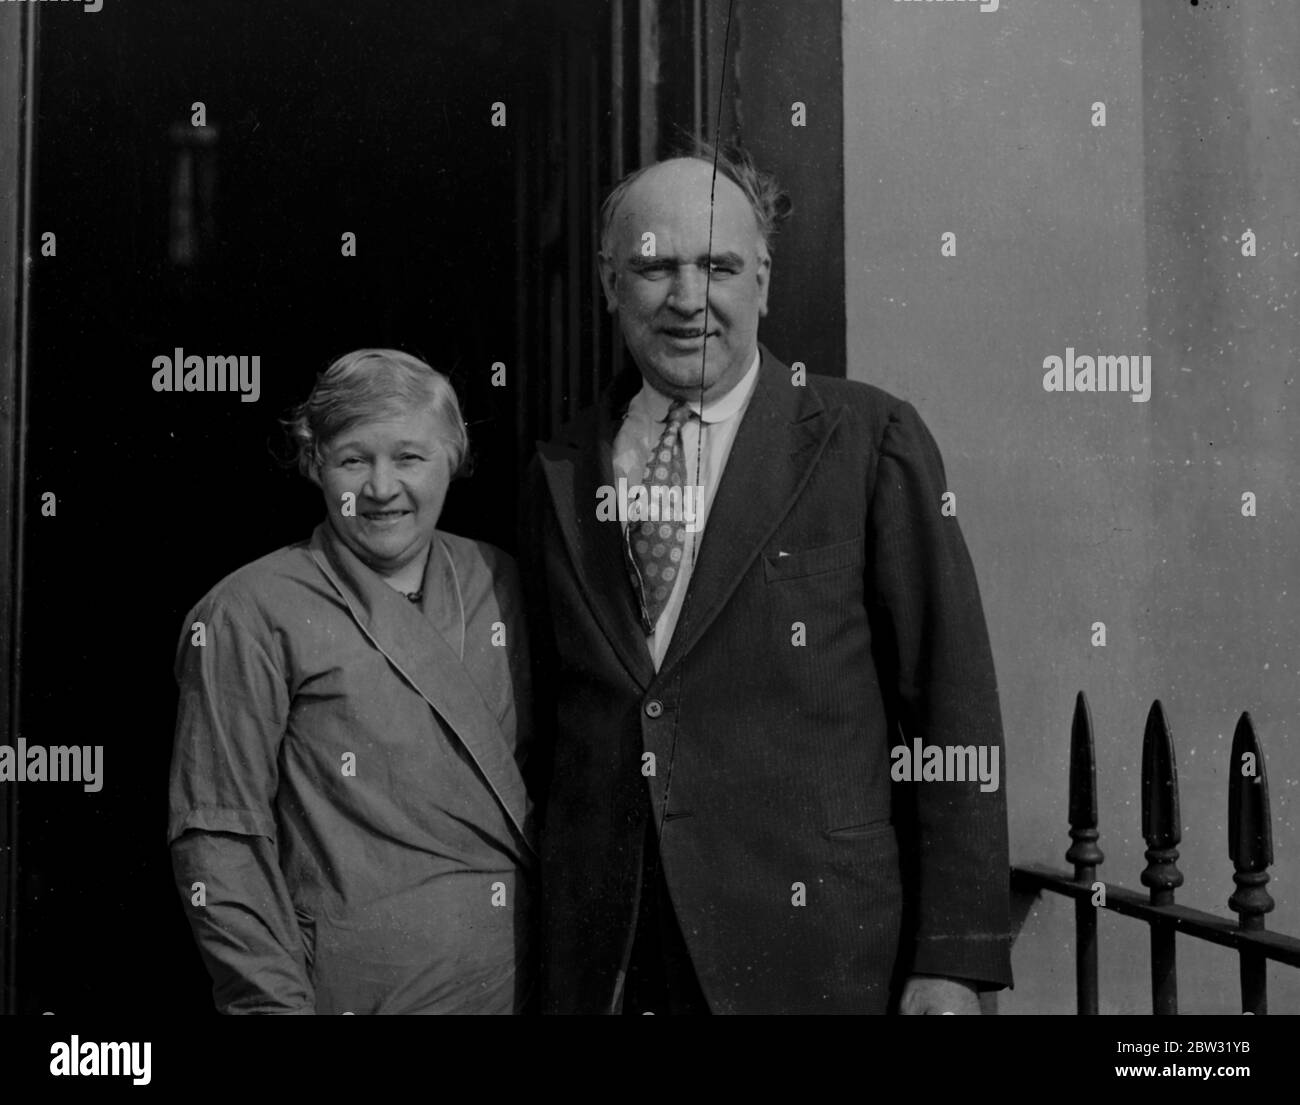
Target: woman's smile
{"type": "Point", "coordinates": [385, 519]}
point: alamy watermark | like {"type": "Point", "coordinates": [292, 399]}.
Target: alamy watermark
{"type": "Point", "coordinates": [78, 1057]}
{"type": "Point", "coordinates": [656, 503]}
{"type": "Point", "coordinates": [196, 373]}
{"type": "Point", "coordinates": [1105, 373]}
{"type": "Point", "coordinates": [985, 5]}
{"type": "Point", "coordinates": [91, 6]}
{"type": "Point", "coordinates": [24, 763]}
{"type": "Point", "coordinates": [946, 763]}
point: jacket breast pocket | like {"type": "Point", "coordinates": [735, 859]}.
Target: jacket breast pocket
{"type": "Point", "coordinates": [784, 564]}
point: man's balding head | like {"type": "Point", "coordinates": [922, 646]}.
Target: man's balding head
{"type": "Point", "coordinates": [770, 205]}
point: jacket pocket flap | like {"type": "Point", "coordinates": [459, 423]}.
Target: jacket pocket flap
{"type": "Point", "coordinates": [811, 562]}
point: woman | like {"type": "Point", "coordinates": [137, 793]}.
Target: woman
{"type": "Point", "coordinates": [348, 821]}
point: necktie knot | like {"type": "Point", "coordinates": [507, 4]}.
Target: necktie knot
{"type": "Point", "coordinates": [678, 413]}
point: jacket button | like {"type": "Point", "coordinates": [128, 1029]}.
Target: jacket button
{"type": "Point", "coordinates": [654, 708]}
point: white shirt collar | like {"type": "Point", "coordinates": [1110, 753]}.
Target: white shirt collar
{"type": "Point", "coordinates": [654, 404]}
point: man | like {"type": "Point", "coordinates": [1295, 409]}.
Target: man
{"type": "Point", "coordinates": [721, 831]}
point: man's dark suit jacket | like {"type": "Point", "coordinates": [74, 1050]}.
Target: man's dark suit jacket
{"type": "Point", "coordinates": [771, 759]}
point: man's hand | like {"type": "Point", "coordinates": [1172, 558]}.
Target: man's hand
{"type": "Point", "coordinates": [931, 994]}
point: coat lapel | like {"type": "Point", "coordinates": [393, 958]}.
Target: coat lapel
{"type": "Point", "coordinates": [779, 440]}
{"type": "Point", "coordinates": [576, 465]}
{"type": "Point", "coordinates": [428, 663]}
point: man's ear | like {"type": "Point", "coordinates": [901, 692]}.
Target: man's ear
{"type": "Point", "coordinates": [313, 472]}
{"type": "Point", "coordinates": [608, 281]}
{"type": "Point", "coordinates": [764, 278]}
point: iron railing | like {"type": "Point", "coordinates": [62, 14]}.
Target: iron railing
{"type": "Point", "coordinates": [1250, 847]}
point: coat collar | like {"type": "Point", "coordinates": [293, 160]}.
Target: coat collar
{"type": "Point", "coordinates": [778, 442]}
{"type": "Point", "coordinates": [428, 662]}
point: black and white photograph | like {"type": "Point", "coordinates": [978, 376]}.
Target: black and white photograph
{"type": "Point", "coordinates": [651, 507]}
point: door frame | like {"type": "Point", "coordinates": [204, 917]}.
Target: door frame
{"type": "Point", "coordinates": [18, 33]}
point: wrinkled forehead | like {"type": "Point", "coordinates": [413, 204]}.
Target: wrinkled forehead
{"type": "Point", "coordinates": [672, 201]}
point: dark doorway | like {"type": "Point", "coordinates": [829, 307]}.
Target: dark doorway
{"type": "Point", "coordinates": [227, 239]}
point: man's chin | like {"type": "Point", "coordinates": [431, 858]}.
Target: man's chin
{"type": "Point", "coordinates": [683, 374]}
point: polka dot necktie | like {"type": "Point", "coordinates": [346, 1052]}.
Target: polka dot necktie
{"type": "Point", "coordinates": [655, 547]}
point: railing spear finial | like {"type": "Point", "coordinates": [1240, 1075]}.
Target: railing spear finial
{"type": "Point", "coordinates": [1162, 830]}
{"type": "Point", "coordinates": [1161, 824]}
{"type": "Point", "coordinates": [1250, 846]}
{"type": "Point", "coordinates": [1084, 852]}
{"type": "Point", "coordinates": [1250, 829]}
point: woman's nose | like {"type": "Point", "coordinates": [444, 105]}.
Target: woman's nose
{"type": "Point", "coordinates": [382, 484]}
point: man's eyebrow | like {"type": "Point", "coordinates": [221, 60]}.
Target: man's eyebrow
{"type": "Point", "coordinates": [638, 260]}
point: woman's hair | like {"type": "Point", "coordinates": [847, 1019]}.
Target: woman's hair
{"type": "Point", "coordinates": [371, 384]}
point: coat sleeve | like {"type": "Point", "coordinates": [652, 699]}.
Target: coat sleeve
{"type": "Point", "coordinates": [953, 835]}
{"type": "Point", "coordinates": [234, 703]}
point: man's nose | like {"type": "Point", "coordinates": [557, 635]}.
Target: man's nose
{"type": "Point", "coordinates": [687, 294]}
{"type": "Point", "coordinates": [382, 483]}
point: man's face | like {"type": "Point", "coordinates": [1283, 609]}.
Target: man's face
{"type": "Point", "coordinates": [397, 470]}
{"type": "Point", "coordinates": [681, 336]}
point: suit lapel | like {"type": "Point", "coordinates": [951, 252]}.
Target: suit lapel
{"type": "Point", "coordinates": [428, 663]}
{"type": "Point", "coordinates": [779, 440]}
{"type": "Point", "coordinates": [576, 465]}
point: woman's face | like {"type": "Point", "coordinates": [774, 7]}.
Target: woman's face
{"type": "Point", "coordinates": [384, 484]}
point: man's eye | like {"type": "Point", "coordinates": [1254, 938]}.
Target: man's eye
{"type": "Point", "coordinates": [720, 267]}
{"type": "Point", "coordinates": [349, 461]}
{"type": "Point", "coordinates": [652, 270]}
{"type": "Point", "coordinates": [410, 456]}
